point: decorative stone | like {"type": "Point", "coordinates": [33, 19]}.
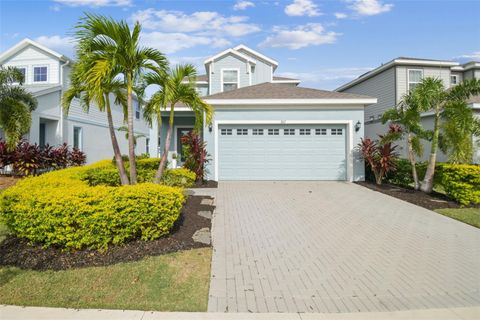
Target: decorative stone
{"type": "Point", "coordinates": [202, 236]}
{"type": "Point", "coordinates": [205, 214]}
{"type": "Point", "coordinates": [207, 202]}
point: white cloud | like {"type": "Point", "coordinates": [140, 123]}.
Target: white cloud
{"type": "Point", "coordinates": [341, 15]}
{"type": "Point", "coordinates": [63, 45]}
{"type": "Point", "coordinates": [302, 8]}
{"type": "Point", "coordinates": [242, 5]}
{"type": "Point", "coordinates": [95, 3]}
{"type": "Point", "coordinates": [172, 42]}
{"type": "Point", "coordinates": [473, 55]}
{"type": "Point", "coordinates": [369, 7]}
{"type": "Point", "coordinates": [204, 22]}
{"type": "Point", "coordinates": [301, 36]}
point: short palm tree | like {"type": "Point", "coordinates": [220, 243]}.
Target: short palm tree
{"type": "Point", "coordinates": [176, 86]}
{"type": "Point", "coordinates": [16, 106]}
{"type": "Point", "coordinates": [100, 96]}
{"type": "Point", "coordinates": [117, 47]}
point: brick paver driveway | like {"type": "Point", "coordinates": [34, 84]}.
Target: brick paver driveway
{"type": "Point", "coordinates": [336, 247]}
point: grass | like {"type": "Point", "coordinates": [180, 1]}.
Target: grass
{"type": "Point", "coordinates": [172, 282]}
{"type": "Point", "coordinates": [470, 216]}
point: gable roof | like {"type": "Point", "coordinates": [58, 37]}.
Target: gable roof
{"type": "Point", "coordinates": [257, 54]}
{"type": "Point", "coordinates": [28, 42]}
{"type": "Point", "coordinates": [231, 51]}
{"type": "Point", "coordinates": [277, 93]}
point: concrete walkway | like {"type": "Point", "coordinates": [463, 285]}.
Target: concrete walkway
{"type": "Point", "coordinates": [32, 313]}
{"type": "Point", "coordinates": [330, 247]}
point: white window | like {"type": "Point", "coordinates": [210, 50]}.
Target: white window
{"type": "Point", "coordinates": [304, 132]}
{"type": "Point", "coordinates": [273, 132]}
{"type": "Point", "coordinates": [415, 76]}
{"type": "Point", "coordinates": [147, 146]}
{"type": "Point", "coordinates": [40, 74]}
{"type": "Point", "coordinates": [242, 132]}
{"type": "Point", "coordinates": [78, 138]}
{"type": "Point", "coordinates": [321, 132]}
{"type": "Point", "coordinates": [288, 132]}
{"type": "Point", "coordinates": [226, 132]}
{"type": "Point", "coordinates": [337, 132]}
{"type": "Point", "coordinates": [453, 79]}
{"type": "Point", "coordinates": [229, 80]}
{"type": "Point", "coordinates": [257, 132]}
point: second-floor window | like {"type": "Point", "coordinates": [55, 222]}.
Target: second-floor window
{"type": "Point", "coordinates": [230, 80]}
{"type": "Point", "coordinates": [137, 111]}
{"type": "Point", "coordinates": [453, 79]}
{"type": "Point", "coordinates": [415, 76]}
{"type": "Point", "coordinates": [40, 74]}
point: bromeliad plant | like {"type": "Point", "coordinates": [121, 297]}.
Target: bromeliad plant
{"type": "Point", "coordinates": [380, 157]}
{"type": "Point", "coordinates": [195, 153]}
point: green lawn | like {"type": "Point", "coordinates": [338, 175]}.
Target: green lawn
{"type": "Point", "coordinates": [172, 282]}
{"type": "Point", "coordinates": [470, 216]}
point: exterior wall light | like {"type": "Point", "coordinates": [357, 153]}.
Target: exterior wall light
{"type": "Point", "coordinates": [358, 125]}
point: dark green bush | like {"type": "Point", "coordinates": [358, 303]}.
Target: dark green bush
{"type": "Point", "coordinates": [402, 176]}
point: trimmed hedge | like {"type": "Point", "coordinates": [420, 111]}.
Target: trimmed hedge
{"type": "Point", "coordinates": [462, 183]}
{"type": "Point", "coordinates": [59, 209]}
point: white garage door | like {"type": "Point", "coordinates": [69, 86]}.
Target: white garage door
{"type": "Point", "coordinates": [282, 152]}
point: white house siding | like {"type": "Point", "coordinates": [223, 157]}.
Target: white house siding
{"type": "Point", "coordinates": [228, 62]}
{"type": "Point", "coordinates": [382, 87]}
{"type": "Point", "coordinates": [31, 57]}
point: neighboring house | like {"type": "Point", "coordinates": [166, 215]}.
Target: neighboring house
{"type": "Point", "coordinates": [47, 77]}
{"type": "Point", "coordinates": [267, 128]}
{"type": "Point", "coordinates": [392, 80]}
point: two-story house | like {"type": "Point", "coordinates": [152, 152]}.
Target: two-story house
{"type": "Point", "coordinates": [269, 128]}
{"type": "Point", "coordinates": [46, 75]}
{"type": "Point", "coordinates": [392, 80]}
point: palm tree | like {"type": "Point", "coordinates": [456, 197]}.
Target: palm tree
{"type": "Point", "coordinates": [117, 46]}
{"type": "Point", "coordinates": [16, 106]}
{"type": "Point", "coordinates": [176, 86]}
{"type": "Point", "coordinates": [431, 95]}
{"type": "Point", "coordinates": [89, 93]}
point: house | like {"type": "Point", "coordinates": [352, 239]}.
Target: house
{"type": "Point", "coordinates": [392, 80]}
{"type": "Point", "coordinates": [46, 74]}
{"type": "Point", "coordinates": [269, 128]}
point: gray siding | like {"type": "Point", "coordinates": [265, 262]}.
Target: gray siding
{"type": "Point", "coordinates": [228, 62]}
{"type": "Point", "coordinates": [263, 70]}
{"type": "Point", "coordinates": [382, 87]}
{"type": "Point", "coordinates": [428, 72]}
{"type": "Point", "coordinates": [469, 74]}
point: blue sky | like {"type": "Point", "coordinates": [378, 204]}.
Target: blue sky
{"type": "Point", "coordinates": [324, 43]}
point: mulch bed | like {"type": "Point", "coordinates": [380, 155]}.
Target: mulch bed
{"type": "Point", "coordinates": [18, 252]}
{"type": "Point", "coordinates": [206, 184]}
{"type": "Point", "coordinates": [431, 201]}
{"type": "Point", "coordinates": [8, 181]}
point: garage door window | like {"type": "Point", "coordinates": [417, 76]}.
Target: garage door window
{"type": "Point", "coordinates": [257, 132]}
{"type": "Point", "coordinates": [226, 132]}
{"type": "Point", "coordinates": [273, 132]}
{"type": "Point", "coordinates": [321, 132]}
{"type": "Point", "coordinates": [304, 132]}
{"type": "Point", "coordinates": [288, 132]}
{"type": "Point", "coordinates": [337, 132]}
{"type": "Point", "coordinates": [242, 132]}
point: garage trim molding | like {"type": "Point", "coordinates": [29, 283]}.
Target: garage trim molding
{"type": "Point", "coordinates": [348, 123]}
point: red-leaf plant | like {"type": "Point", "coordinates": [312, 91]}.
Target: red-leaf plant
{"type": "Point", "coordinates": [380, 157]}
{"type": "Point", "coordinates": [195, 153]}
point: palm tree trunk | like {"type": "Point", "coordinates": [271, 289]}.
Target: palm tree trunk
{"type": "Point", "coordinates": [168, 138]}
{"type": "Point", "coordinates": [116, 148]}
{"type": "Point", "coordinates": [131, 139]}
{"type": "Point", "coordinates": [411, 157]}
{"type": "Point", "coordinates": [427, 183]}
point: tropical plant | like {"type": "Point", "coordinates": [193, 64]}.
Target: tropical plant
{"type": "Point", "coordinates": [448, 107]}
{"type": "Point", "coordinates": [195, 153]}
{"type": "Point", "coordinates": [135, 136]}
{"type": "Point", "coordinates": [176, 86]}
{"type": "Point", "coordinates": [118, 54]}
{"type": "Point", "coordinates": [16, 106]}
{"type": "Point", "coordinates": [380, 157]}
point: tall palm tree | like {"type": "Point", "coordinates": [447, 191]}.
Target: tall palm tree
{"type": "Point", "coordinates": [176, 86]}
{"type": "Point", "coordinates": [117, 46]}
{"type": "Point", "coordinates": [16, 106]}
{"type": "Point", "coordinates": [89, 93]}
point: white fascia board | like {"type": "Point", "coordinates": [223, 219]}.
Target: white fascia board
{"type": "Point", "coordinates": [232, 51]}
{"type": "Point", "coordinates": [256, 53]}
{"type": "Point", "coordinates": [291, 101]}
{"type": "Point", "coordinates": [471, 65]}
{"type": "Point", "coordinates": [26, 42]}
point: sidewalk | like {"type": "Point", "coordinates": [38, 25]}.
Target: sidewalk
{"type": "Point", "coordinates": [34, 313]}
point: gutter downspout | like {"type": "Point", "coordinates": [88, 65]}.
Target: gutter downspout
{"type": "Point", "coordinates": [61, 97]}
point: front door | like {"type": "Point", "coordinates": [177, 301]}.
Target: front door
{"type": "Point", "coordinates": [180, 133]}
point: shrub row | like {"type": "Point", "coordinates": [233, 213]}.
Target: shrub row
{"type": "Point", "coordinates": [59, 209]}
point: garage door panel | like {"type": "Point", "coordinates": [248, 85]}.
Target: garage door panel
{"type": "Point", "coordinates": [286, 156]}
